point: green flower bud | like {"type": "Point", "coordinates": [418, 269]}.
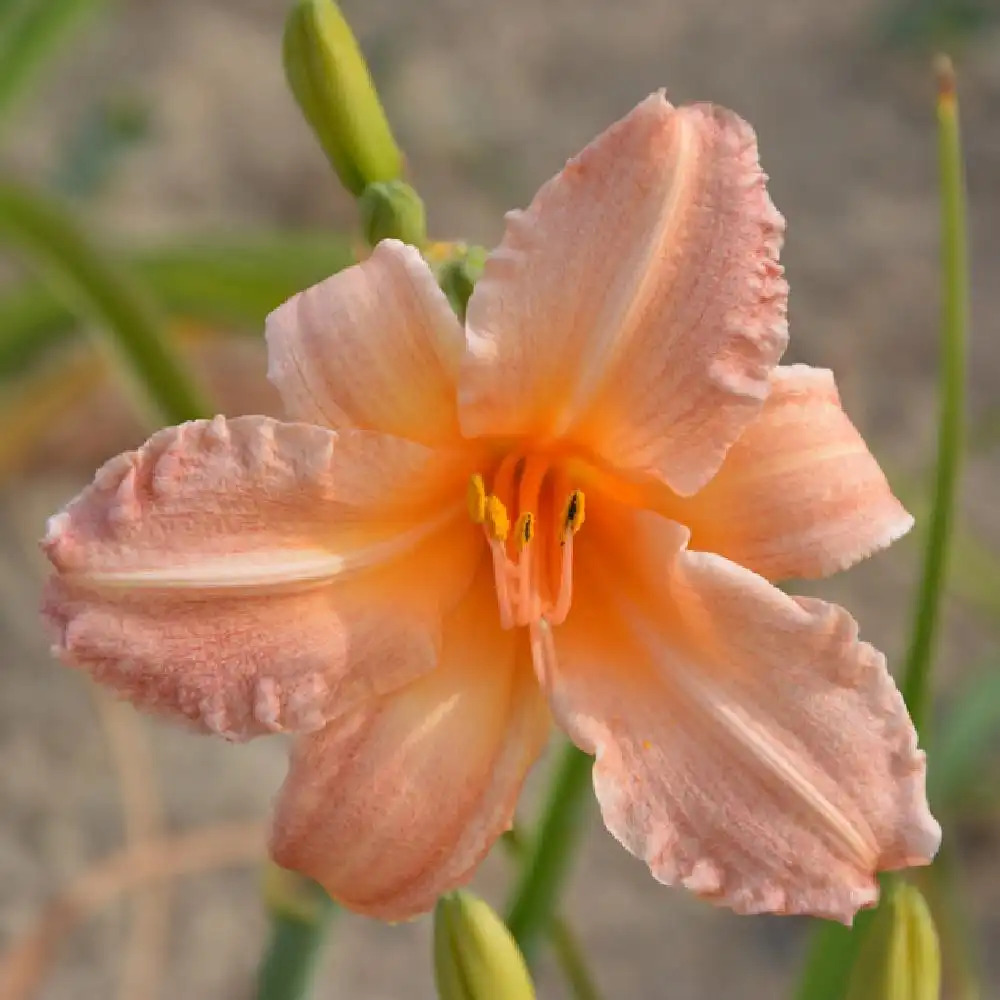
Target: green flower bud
{"type": "Point", "coordinates": [330, 81]}
{"type": "Point", "coordinates": [475, 958]}
{"type": "Point", "coordinates": [899, 958]}
{"type": "Point", "coordinates": [458, 275]}
{"type": "Point", "coordinates": [393, 210]}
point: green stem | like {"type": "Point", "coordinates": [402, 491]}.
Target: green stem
{"type": "Point", "coordinates": [300, 917]}
{"type": "Point", "coordinates": [536, 895]}
{"type": "Point", "coordinates": [915, 683]}
{"type": "Point", "coordinates": [571, 961]}
{"type": "Point", "coordinates": [31, 31]}
{"type": "Point", "coordinates": [564, 942]}
{"type": "Point", "coordinates": [834, 948]}
{"type": "Point", "coordinates": [233, 282]}
{"type": "Point", "coordinates": [98, 288]}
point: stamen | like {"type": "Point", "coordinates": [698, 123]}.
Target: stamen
{"type": "Point", "coordinates": [564, 600]}
{"type": "Point", "coordinates": [476, 499]}
{"type": "Point", "coordinates": [573, 516]}
{"type": "Point", "coordinates": [500, 573]}
{"type": "Point", "coordinates": [497, 525]}
{"type": "Point", "coordinates": [574, 513]}
{"type": "Point", "coordinates": [525, 602]}
{"type": "Point", "coordinates": [543, 652]}
{"type": "Point", "coordinates": [524, 530]}
{"type": "Point", "coordinates": [496, 520]}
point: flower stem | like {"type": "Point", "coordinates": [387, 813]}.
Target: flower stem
{"type": "Point", "coordinates": [550, 853]}
{"type": "Point", "coordinates": [834, 948]}
{"type": "Point", "coordinates": [300, 916]}
{"type": "Point", "coordinates": [564, 942]}
{"type": "Point", "coordinates": [951, 423]}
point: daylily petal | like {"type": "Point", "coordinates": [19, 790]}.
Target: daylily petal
{"type": "Point", "coordinates": [748, 745]}
{"type": "Point", "coordinates": [637, 303]}
{"type": "Point", "coordinates": [252, 503]}
{"type": "Point", "coordinates": [799, 494]}
{"type": "Point", "coordinates": [375, 346]}
{"type": "Point", "coordinates": [251, 576]}
{"type": "Point", "coordinates": [399, 802]}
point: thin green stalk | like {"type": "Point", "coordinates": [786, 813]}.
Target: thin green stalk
{"type": "Point", "coordinates": [564, 942]}
{"type": "Point", "coordinates": [550, 854]}
{"type": "Point", "coordinates": [300, 918]}
{"type": "Point", "coordinates": [98, 288]}
{"type": "Point", "coordinates": [231, 283]}
{"type": "Point", "coordinates": [572, 962]}
{"type": "Point", "coordinates": [915, 683]}
{"type": "Point", "coordinates": [834, 948]}
{"type": "Point", "coordinates": [30, 33]}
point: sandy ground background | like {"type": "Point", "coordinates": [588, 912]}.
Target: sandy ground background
{"type": "Point", "coordinates": [489, 99]}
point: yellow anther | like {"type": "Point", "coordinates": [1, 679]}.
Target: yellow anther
{"type": "Point", "coordinates": [524, 530]}
{"type": "Point", "coordinates": [496, 520]}
{"type": "Point", "coordinates": [573, 513]}
{"type": "Point", "coordinates": [476, 499]}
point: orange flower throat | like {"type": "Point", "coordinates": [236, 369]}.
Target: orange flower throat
{"type": "Point", "coordinates": [533, 563]}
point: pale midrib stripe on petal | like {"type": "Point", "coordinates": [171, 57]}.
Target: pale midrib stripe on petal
{"type": "Point", "coordinates": [771, 468]}
{"type": "Point", "coordinates": [264, 570]}
{"type": "Point", "coordinates": [761, 746]}
{"type": "Point", "coordinates": [618, 319]}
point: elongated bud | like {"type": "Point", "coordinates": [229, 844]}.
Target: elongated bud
{"type": "Point", "coordinates": [900, 958]}
{"type": "Point", "coordinates": [393, 210]}
{"type": "Point", "coordinates": [475, 958]}
{"type": "Point", "coordinates": [330, 81]}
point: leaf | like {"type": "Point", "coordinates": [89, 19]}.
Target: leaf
{"type": "Point", "coordinates": [231, 282]}
{"type": "Point", "coordinates": [96, 287]}
{"type": "Point", "coordinates": [968, 732]}
{"type": "Point", "coordinates": [31, 31]}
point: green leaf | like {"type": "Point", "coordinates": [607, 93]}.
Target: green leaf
{"type": "Point", "coordinates": [98, 288]}
{"type": "Point", "coordinates": [968, 732]}
{"type": "Point", "coordinates": [31, 31]}
{"type": "Point", "coordinates": [231, 282]}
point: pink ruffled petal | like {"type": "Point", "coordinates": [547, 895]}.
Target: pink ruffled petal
{"type": "Point", "coordinates": [799, 494]}
{"type": "Point", "coordinates": [748, 746]}
{"type": "Point", "coordinates": [376, 346]}
{"type": "Point", "coordinates": [250, 576]}
{"type": "Point", "coordinates": [637, 304]}
{"type": "Point", "coordinates": [400, 801]}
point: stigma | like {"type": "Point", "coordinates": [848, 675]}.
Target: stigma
{"type": "Point", "coordinates": [529, 517]}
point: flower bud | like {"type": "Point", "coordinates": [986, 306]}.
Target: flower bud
{"type": "Point", "coordinates": [899, 958]}
{"type": "Point", "coordinates": [458, 275]}
{"type": "Point", "coordinates": [330, 81]}
{"type": "Point", "coordinates": [475, 957]}
{"type": "Point", "coordinates": [392, 210]}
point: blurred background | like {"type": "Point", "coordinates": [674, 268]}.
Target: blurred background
{"type": "Point", "coordinates": [169, 128]}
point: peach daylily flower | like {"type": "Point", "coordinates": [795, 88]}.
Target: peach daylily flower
{"type": "Point", "coordinates": [574, 507]}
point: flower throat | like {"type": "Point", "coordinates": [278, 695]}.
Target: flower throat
{"type": "Point", "coordinates": [533, 551]}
